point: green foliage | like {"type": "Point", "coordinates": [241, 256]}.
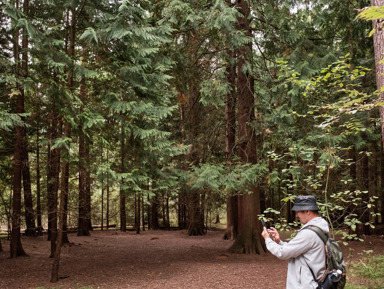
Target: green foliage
{"type": "Point", "coordinates": [371, 13]}
{"type": "Point", "coordinates": [330, 116]}
{"type": "Point", "coordinates": [9, 120]}
{"type": "Point", "coordinates": [224, 179]}
{"type": "Point", "coordinates": [131, 60]}
{"type": "Point", "coordinates": [368, 270]}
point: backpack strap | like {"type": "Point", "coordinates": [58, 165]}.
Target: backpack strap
{"type": "Point", "coordinates": [324, 237]}
{"type": "Point", "coordinates": [313, 274]}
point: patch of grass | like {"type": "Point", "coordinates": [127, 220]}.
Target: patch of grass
{"type": "Point", "coordinates": [370, 272]}
{"type": "Point", "coordinates": [354, 286]}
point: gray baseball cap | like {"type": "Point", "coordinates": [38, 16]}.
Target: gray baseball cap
{"type": "Point", "coordinates": [304, 203]}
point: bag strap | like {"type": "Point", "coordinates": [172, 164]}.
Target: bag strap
{"type": "Point", "coordinates": [324, 237]}
{"type": "Point", "coordinates": [313, 274]}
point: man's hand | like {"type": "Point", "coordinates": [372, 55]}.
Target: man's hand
{"type": "Point", "coordinates": [265, 233]}
{"type": "Point", "coordinates": [271, 233]}
{"type": "Point", "coordinates": [274, 234]}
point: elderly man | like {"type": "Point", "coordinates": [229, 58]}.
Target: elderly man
{"type": "Point", "coordinates": [306, 250]}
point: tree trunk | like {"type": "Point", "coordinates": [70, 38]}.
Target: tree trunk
{"type": "Point", "coordinates": [168, 224]}
{"type": "Point", "coordinates": [61, 228]}
{"type": "Point", "coordinates": [378, 44]}
{"type": "Point", "coordinates": [83, 228]}
{"type": "Point", "coordinates": [52, 178]}
{"type": "Point", "coordinates": [154, 213]}
{"type": "Point", "coordinates": [16, 248]}
{"type": "Point", "coordinates": [123, 214]}
{"type": "Point", "coordinates": [230, 140]}
{"type": "Point", "coordinates": [163, 210]}
{"type": "Point", "coordinates": [249, 238]}
{"type": "Point", "coordinates": [149, 212]}
{"type": "Point", "coordinates": [102, 189]}
{"type": "Point", "coordinates": [195, 213]}
{"type": "Point", "coordinates": [143, 212]}
{"type": "Point", "coordinates": [107, 189]}
{"type": "Point", "coordinates": [28, 202]}
{"type": "Point", "coordinates": [88, 180]}
{"type": "Point", "coordinates": [381, 188]}
{"type": "Point", "coordinates": [28, 199]}
{"type": "Point", "coordinates": [38, 187]}
{"type": "Point", "coordinates": [232, 218]}
{"type": "Point", "coordinates": [181, 204]}
{"type": "Point", "coordinates": [217, 221]}
{"type": "Point", "coordinates": [65, 187]}
{"type": "Point", "coordinates": [182, 211]}
{"type": "Point", "coordinates": [138, 214]}
{"type": "Point", "coordinates": [68, 134]}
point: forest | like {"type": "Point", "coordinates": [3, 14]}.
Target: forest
{"type": "Point", "coordinates": [146, 115]}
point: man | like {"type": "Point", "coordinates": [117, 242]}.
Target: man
{"type": "Point", "coordinates": [305, 250]}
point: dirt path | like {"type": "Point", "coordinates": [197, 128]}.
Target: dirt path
{"type": "Point", "coordinates": [152, 259]}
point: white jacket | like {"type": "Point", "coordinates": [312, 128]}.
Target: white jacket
{"type": "Point", "coordinates": [306, 245]}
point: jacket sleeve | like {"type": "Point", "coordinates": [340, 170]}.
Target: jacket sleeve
{"type": "Point", "coordinates": [303, 241]}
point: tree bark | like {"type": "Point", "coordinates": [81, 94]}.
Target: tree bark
{"type": "Point", "coordinates": [168, 225]}
{"type": "Point", "coordinates": [195, 211]}
{"type": "Point", "coordinates": [28, 200]}
{"type": "Point", "coordinates": [196, 215]}
{"type": "Point", "coordinates": [108, 193]}
{"type": "Point", "coordinates": [143, 212]}
{"type": "Point", "coordinates": [123, 214]}
{"type": "Point", "coordinates": [137, 214]}
{"type": "Point", "coordinates": [181, 204]}
{"type": "Point", "coordinates": [88, 180]}
{"type": "Point", "coordinates": [83, 229]}
{"type": "Point", "coordinates": [38, 187]}
{"type": "Point", "coordinates": [53, 178]}
{"type": "Point", "coordinates": [70, 22]}
{"type": "Point", "coordinates": [65, 188]}
{"type": "Point", "coordinates": [378, 44]}
{"type": "Point", "coordinates": [182, 211]}
{"type": "Point", "coordinates": [61, 228]}
{"type": "Point", "coordinates": [249, 238]}
{"type": "Point", "coordinates": [381, 188]}
{"type": "Point", "coordinates": [16, 248]}
{"type": "Point", "coordinates": [102, 189]}
{"type": "Point", "coordinates": [154, 213]}
{"type": "Point", "coordinates": [230, 141]}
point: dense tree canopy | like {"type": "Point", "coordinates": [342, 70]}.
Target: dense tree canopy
{"type": "Point", "coordinates": [143, 114]}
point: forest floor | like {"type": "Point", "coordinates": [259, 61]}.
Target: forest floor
{"type": "Point", "coordinates": [152, 259]}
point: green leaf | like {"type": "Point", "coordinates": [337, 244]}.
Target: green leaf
{"type": "Point", "coordinates": [89, 34]}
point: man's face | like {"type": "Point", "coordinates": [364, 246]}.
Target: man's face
{"type": "Point", "coordinates": [303, 216]}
